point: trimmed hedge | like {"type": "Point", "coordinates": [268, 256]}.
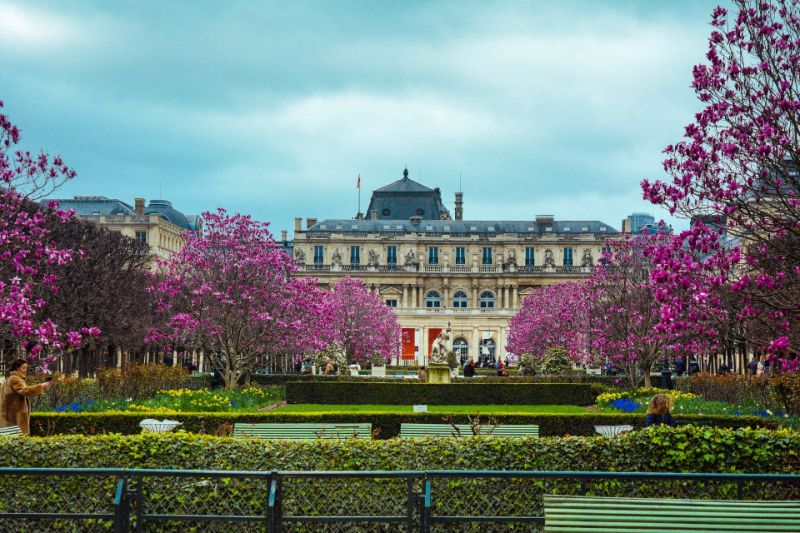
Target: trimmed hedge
{"type": "Point", "coordinates": [282, 379]}
{"type": "Point", "coordinates": [385, 425]}
{"type": "Point", "coordinates": [403, 393]}
{"type": "Point", "coordinates": [660, 449]}
{"type": "Point", "coordinates": [691, 449]}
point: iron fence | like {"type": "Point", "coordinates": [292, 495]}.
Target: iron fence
{"type": "Point", "coordinates": [33, 499]}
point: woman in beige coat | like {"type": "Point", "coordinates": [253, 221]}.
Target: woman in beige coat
{"type": "Point", "coordinates": [15, 404]}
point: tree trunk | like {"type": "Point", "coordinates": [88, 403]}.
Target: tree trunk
{"type": "Point", "coordinates": [647, 379]}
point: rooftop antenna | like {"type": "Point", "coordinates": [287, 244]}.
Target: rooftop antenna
{"type": "Point", "coordinates": [459, 182]}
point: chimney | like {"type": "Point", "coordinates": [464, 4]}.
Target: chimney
{"type": "Point", "coordinates": [283, 235]}
{"type": "Point", "coordinates": [415, 220]}
{"type": "Point", "coordinates": [138, 204]}
{"type": "Point", "coordinates": [310, 222]}
{"type": "Point", "coordinates": [459, 206]}
{"type": "Point", "coordinates": [298, 224]}
{"type": "Point", "coordinates": [373, 215]}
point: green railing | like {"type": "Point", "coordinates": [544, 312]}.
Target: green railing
{"type": "Point", "coordinates": [33, 499]}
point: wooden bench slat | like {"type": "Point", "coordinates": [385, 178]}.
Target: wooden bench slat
{"type": "Point", "coordinates": [643, 515]}
{"type": "Point", "coordinates": [447, 430]}
{"type": "Point", "coordinates": [303, 431]}
{"type": "Point", "coordinates": [10, 431]}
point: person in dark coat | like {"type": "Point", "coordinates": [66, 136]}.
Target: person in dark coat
{"type": "Point", "coordinates": [680, 365]}
{"type": "Point", "coordinates": [659, 411]}
{"type": "Point", "coordinates": [469, 369]}
{"type": "Point", "coordinates": [752, 366]}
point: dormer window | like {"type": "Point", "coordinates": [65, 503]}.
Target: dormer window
{"type": "Point", "coordinates": [420, 211]}
{"type": "Point", "coordinates": [386, 211]}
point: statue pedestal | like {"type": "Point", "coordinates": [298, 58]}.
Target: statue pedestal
{"type": "Point", "coordinates": [438, 374]}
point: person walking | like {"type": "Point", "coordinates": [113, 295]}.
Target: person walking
{"type": "Point", "coordinates": [659, 411]}
{"type": "Point", "coordinates": [469, 369]}
{"type": "Point", "coordinates": [680, 365]}
{"type": "Point", "coordinates": [15, 397]}
{"type": "Point", "coordinates": [752, 366]}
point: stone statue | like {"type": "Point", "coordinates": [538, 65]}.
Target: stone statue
{"type": "Point", "coordinates": [300, 257]}
{"type": "Point", "coordinates": [548, 259]}
{"type": "Point", "coordinates": [511, 260]}
{"type": "Point", "coordinates": [336, 258]}
{"type": "Point", "coordinates": [410, 258]}
{"type": "Point", "coordinates": [373, 259]}
{"type": "Point", "coordinates": [441, 347]}
{"type": "Point", "coordinates": [587, 259]}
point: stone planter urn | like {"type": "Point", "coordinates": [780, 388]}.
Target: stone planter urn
{"type": "Point", "coordinates": [379, 371]}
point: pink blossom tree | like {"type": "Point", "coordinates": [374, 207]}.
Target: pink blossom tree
{"type": "Point", "coordinates": [364, 326]}
{"type": "Point", "coordinates": [554, 316]}
{"type": "Point", "coordinates": [29, 260]}
{"type": "Point", "coordinates": [739, 163]}
{"type": "Point", "coordinates": [231, 292]}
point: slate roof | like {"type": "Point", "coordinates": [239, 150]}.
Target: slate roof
{"type": "Point", "coordinates": [96, 206]}
{"type": "Point", "coordinates": [165, 209]}
{"type": "Point", "coordinates": [101, 206]}
{"type": "Point", "coordinates": [405, 198]}
{"type": "Point", "coordinates": [461, 226]}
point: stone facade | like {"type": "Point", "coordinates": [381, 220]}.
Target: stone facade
{"type": "Point", "coordinates": [471, 273]}
{"type": "Point", "coordinates": [158, 224]}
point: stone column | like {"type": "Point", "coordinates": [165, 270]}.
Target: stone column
{"type": "Point", "coordinates": [404, 296]}
{"type": "Point", "coordinates": [474, 346]}
{"type": "Point", "coordinates": [475, 302]}
{"type": "Point", "coordinates": [506, 301]}
{"type": "Point", "coordinates": [501, 343]}
{"type": "Point", "coordinates": [515, 296]}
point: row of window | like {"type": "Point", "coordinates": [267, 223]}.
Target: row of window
{"type": "Point", "coordinates": [433, 255]}
{"type": "Point", "coordinates": [433, 299]}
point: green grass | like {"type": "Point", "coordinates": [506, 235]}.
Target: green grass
{"type": "Point", "coordinates": [442, 409]}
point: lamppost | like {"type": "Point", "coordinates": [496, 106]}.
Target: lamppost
{"type": "Point", "coordinates": [666, 374]}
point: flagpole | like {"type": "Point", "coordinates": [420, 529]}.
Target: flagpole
{"type": "Point", "coordinates": [359, 193]}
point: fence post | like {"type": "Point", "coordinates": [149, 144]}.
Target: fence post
{"type": "Point", "coordinates": [122, 508]}
{"type": "Point", "coordinates": [425, 515]}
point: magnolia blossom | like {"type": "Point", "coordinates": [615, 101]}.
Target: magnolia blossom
{"type": "Point", "coordinates": [231, 292]}
{"type": "Point", "coordinates": [29, 262]}
{"type": "Point", "coordinates": [738, 163]}
{"type": "Point", "coordinates": [362, 323]}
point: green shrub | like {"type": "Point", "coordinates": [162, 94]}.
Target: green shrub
{"type": "Point", "coordinates": [404, 393]}
{"type": "Point", "coordinates": [139, 381]}
{"type": "Point", "coordinates": [687, 449]}
{"type": "Point", "coordinates": [385, 425]}
{"type": "Point", "coordinates": [555, 361]}
{"type": "Point", "coordinates": [690, 449]}
{"type": "Point", "coordinates": [773, 392]}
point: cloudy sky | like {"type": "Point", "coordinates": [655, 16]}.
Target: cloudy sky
{"type": "Point", "coordinates": [273, 109]}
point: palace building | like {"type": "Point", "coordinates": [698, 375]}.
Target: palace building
{"type": "Point", "coordinates": [158, 224]}
{"type": "Point", "coordinates": [434, 268]}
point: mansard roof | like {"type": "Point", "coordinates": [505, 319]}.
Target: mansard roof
{"type": "Point", "coordinates": [101, 206]}
{"type": "Point", "coordinates": [461, 226]}
{"type": "Point", "coordinates": [405, 198]}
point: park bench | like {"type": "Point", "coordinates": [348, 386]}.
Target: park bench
{"type": "Point", "coordinates": [10, 431]}
{"type": "Point", "coordinates": [621, 515]}
{"type": "Point", "coordinates": [303, 431]}
{"type": "Point", "coordinates": [447, 430]}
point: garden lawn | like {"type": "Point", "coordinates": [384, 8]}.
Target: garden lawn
{"type": "Point", "coordinates": [442, 409]}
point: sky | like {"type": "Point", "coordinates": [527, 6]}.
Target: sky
{"type": "Point", "coordinates": [274, 108]}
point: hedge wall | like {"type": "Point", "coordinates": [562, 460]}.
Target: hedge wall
{"type": "Point", "coordinates": [282, 379]}
{"type": "Point", "coordinates": [657, 449]}
{"type": "Point", "coordinates": [403, 393]}
{"type": "Point", "coordinates": [690, 449]}
{"type": "Point", "coordinates": [385, 425]}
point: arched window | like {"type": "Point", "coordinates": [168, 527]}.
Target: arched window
{"type": "Point", "coordinates": [433, 299]}
{"type": "Point", "coordinates": [487, 351]}
{"type": "Point", "coordinates": [460, 300]}
{"type": "Point", "coordinates": [487, 300]}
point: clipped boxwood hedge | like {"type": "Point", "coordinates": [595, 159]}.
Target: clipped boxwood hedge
{"type": "Point", "coordinates": [385, 425]}
{"type": "Point", "coordinates": [691, 449]}
{"type": "Point", "coordinates": [404, 393]}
